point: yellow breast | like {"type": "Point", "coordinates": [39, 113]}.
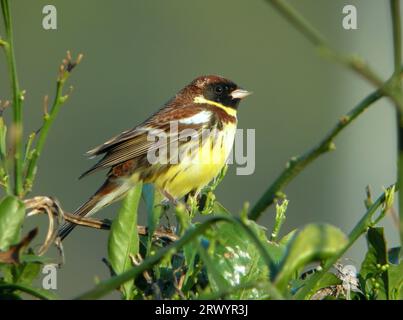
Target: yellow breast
{"type": "Point", "coordinates": [196, 169]}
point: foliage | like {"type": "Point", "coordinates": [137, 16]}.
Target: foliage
{"type": "Point", "coordinates": [224, 256]}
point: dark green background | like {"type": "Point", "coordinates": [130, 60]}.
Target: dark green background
{"type": "Point", "coordinates": [139, 53]}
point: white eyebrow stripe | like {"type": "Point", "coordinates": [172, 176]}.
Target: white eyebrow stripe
{"type": "Point", "coordinates": [201, 117]}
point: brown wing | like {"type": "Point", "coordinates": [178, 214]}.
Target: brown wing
{"type": "Point", "coordinates": [135, 143]}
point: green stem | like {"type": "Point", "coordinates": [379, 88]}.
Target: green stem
{"type": "Point", "coordinates": [25, 289]}
{"type": "Point", "coordinates": [48, 120]}
{"type": "Point", "coordinates": [297, 164]}
{"type": "Point", "coordinates": [360, 228]}
{"type": "Point", "coordinates": [114, 282]}
{"type": "Point", "coordinates": [397, 58]}
{"type": "Point", "coordinates": [17, 99]}
{"type": "Point", "coordinates": [397, 35]}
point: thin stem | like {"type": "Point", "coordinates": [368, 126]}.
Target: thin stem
{"type": "Point", "coordinates": [297, 164]}
{"type": "Point", "coordinates": [280, 218]}
{"type": "Point", "coordinates": [18, 97]}
{"type": "Point", "coordinates": [360, 228]}
{"type": "Point", "coordinates": [314, 36]}
{"type": "Point", "coordinates": [114, 282]}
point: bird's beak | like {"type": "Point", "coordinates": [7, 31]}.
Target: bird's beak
{"type": "Point", "coordinates": [240, 94]}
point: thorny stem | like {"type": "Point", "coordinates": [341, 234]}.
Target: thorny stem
{"type": "Point", "coordinates": [18, 97]}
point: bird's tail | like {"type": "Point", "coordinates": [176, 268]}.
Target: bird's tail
{"type": "Point", "coordinates": [110, 192]}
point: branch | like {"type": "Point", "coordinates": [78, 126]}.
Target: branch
{"type": "Point", "coordinates": [361, 227]}
{"type": "Point", "coordinates": [18, 97]}
{"type": "Point", "coordinates": [297, 164]}
{"type": "Point", "coordinates": [64, 72]}
{"type": "Point", "coordinates": [397, 57]}
{"type": "Point", "coordinates": [192, 234]}
{"type": "Point", "coordinates": [351, 62]}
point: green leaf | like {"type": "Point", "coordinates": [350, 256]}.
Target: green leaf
{"type": "Point", "coordinates": [29, 258]}
{"type": "Point", "coordinates": [12, 214]}
{"type": "Point", "coordinates": [218, 208]}
{"type": "Point", "coordinates": [152, 199]}
{"type": "Point", "coordinates": [315, 242]}
{"type": "Point", "coordinates": [395, 274]}
{"type": "Point", "coordinates": [373, 276]}
{"type": "Point", "coordinates": [329, 279]}
{"type": "Point", "coordinates": [237, 261]}
{"type": "Point", "coordinates": [123, 238]}
{"type": "Point", "coordinates": [278, 250]}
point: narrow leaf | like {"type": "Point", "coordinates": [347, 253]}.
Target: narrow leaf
{"type": "Point", "coordinates": [12, 214]}
{"type": "Point", "coordinates": [123, 239]}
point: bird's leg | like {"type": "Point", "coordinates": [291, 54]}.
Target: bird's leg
{"type": "Point", "coordinates": [170, 198]}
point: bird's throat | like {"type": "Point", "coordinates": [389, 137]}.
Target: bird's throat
{"type": "Point", "coordinates": [230, 111]}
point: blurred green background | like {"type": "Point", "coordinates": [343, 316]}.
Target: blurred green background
{"type": "Point", "coordinates": [139, 53]}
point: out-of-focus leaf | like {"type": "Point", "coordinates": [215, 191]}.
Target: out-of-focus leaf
{"type": "Point", "coordinates": [218, 209]}
{"type": "Point", "coordinates": [28, 258]}
{"type": "Point", "coordinates": [123, 238]}
{"type": "Point", "coordinates": [238, 261]}
{"type": "Point", "coordinates": [25, 273]}
{"type": "Point", "coordinates": [314, 242]}
{"type": "Point", "coordinates": [395, 274]}
{"type": "Point", "coordinates": [12, 214]}
{"type": "Point", "coordinates": [189, 253]}
{"type": "Point", "coordinates": [374, 278]}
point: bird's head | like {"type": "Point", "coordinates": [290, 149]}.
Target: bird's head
{"type": "Point", "coordinates": [215, 89]}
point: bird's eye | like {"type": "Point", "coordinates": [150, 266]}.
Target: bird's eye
{"type": "Point", "coordinates": [219, 89]}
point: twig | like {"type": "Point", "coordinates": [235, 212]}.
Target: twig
{"type": "Point", "coordinates": [18, 97]}
{"type": "Point", "coordinates": [297, 164]}
{"type": "Point", "coordinates": [49, 117]}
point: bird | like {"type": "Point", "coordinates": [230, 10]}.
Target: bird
{"type": "Point", "coordinates": [206, 110]}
